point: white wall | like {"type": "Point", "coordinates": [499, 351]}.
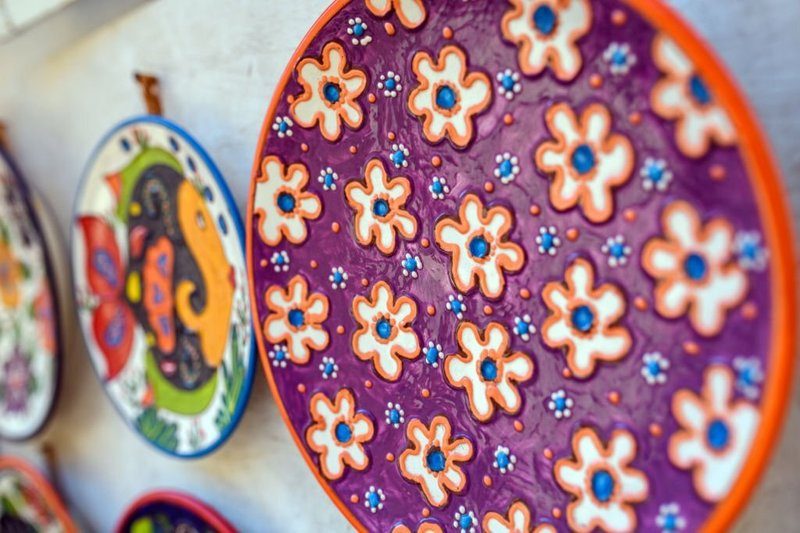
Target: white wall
{"type": "Point", "coordinates": [64, 83]}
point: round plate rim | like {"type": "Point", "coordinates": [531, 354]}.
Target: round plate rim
{"type": "Point", "coordinates": [43, 485]}
{"type": "Point", "coordinates": [180, 499]}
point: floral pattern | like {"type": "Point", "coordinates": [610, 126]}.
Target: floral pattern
{"type": "Point", "coordinates": [338, 433]}
{"type": "Point", "coordinates": [410, 12]}
{"type": "Point", "coordinates": [584, 319]}
{"type": "Point", "coordinates": [683, 96]}
{"type": "Point", "coordinates": [283, 205]}
{"type": "Point", "coordinates": [695, 271]}
{"type": "Point", "coordinates": [516, 520]}
{"type": "Point", "coordinates": [433, 459]}
{"type": "Point", "coordinates": [478, 246]}
{"type": "Point", "coordinates": [716, 433]}
{"type": "Point", "coordinates": [379, 205]}
{"type": "Point", "coordinates": [330, 93]}
{"type": "Point", "coordinates": [602, 482]}
{"type": "Point", "coordinates": [385, 335]}
{"type": "Point", "coordinates": [448, 96]}
{"type": "Point", "coordinates": [487, 371]}
{"type": "Point", "coordinates": [585, 159]}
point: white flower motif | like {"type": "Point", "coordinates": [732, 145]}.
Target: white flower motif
{"type": "Point", "coordinates": [504, 460]}
{"type": "Point", "coordinates": [296, 318]}
{"type": "Point", "coordinates": [373, 499]}
{"type": "Point", "coordinates": [546, 33]}
{"type": "Point", "coordinates": [749, 375]}
{"type": "Point", "coordinates": [465, 521]}
{"type": "Point", "coordinates": [390, 84]}
{"type": "Point", "coordinates": [280, 261]}
{"type": "Point", "coordinates": [328, 178]}
{"type": "Point", "coordinates": [669, 519]}
{"type": "Point", "coordinates": [456, 305]}
{"type": "Point", "coordinates": [716, 433]}
{"type": "Point", "coordinates": [654, 368]}
{"type": "Point", "coordinates": [448, 96]}
{"type": "Point", "coordinates": [433, 354]}
{"type": "Point", "coordinates": [751, 253]}
{"type": "Point", "coordinates": [560, 404]}
{"type": "Point", "coordinates": [655, 175]}
{"type": "Point", "coordinates": [283, 126]}
{"type": "Point", "coordinates": [617, 251]}
{"type": "Point", "coordinates": [399, 155]}
{"type": "Point", "coordinates": [508, 84]}
{"type": "Point", "coordinates": [329, 368]}
{"type": "Point", "coordinates": [411, 266]}
{"type": "Point", "coordinates": [517, 520]}
{"type": "Point", "coordinates": [439, 188]}
{"type": "Point", "coordinates": [411, 13]}
{"type": "Point", "coordinates": [619, 57]}
{"type": "Point", "coordinates": [602, 481]}
{"type": "Point", "coordinates": [279, 356]}
{"type": "Point", "coordinates": [338, 278]}
{"type": "Point", "coordinates": [395, 416]}
{"type": "Point", "coordinates": [523, 327]}
{"type": "Point", "coordinates": [507, 167]}
{"type": "Point", "coordinates": [357, 30]}
{"type": "Point", "coordinates": [548, 240]}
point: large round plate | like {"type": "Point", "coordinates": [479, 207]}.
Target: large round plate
{"type": "Point", "coordinates": [158, 266]}
{"type": "Point", "coordinates": [521, 264]}
{"type": "Point", "coordinates": [29, 329]}
{"type": "Point", "coordinates": [30, 503]}
{"type": "Point", "coordinates": [171, 511]}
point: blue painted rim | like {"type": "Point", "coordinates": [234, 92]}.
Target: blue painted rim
{"type": "Point", "coordinates": [238, 224]}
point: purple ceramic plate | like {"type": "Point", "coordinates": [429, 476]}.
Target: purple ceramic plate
{"type": "Point", "coordinates": [520, 265]}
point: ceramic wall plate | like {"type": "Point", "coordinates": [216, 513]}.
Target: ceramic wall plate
{"type": "Point", "coordinates": [521, 265]}
{"type": "Point", "coordinates": [158, 266]}
{"type": "Point", "coordinates": [166, 511]}
{"type": "Point", "coordinates": [29, 329]}
{"type": "Point", "coordinates": [29, 502]}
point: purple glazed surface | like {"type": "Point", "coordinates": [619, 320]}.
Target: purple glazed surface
{"type": "Point", "coordinates": [476, 28]}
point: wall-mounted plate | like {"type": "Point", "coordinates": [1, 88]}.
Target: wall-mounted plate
{"type": "Point", "coordinates": [171, 511]}
{"type": "Point", "coordinates": [30, 503]}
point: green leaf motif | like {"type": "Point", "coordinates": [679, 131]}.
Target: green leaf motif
{"type": "Point", "coordinates": [234, 379]}
{"type": "Point", "coordinates": [157, 430]}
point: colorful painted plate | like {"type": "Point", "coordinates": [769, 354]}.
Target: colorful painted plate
{"type": "Point", "coordinates": [29, 502]}
{"type": "Point", "coordinates": [165, 512]}
{"type": "Point", "coordinates": [29, 329]}
{"type": "Point", "coordinates": [521, 264]}
{"type": "Point", "coordinates": [158, 265]}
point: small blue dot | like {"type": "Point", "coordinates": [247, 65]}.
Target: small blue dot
{"type": "Point", "coordinates": [619, 57]}
{"type": "Point", "coordinates": [380, 207]}
{"type": "Point", "coordinates": [489, 369]}
{"type": "Point", "coordinates": [561, 403]}
{"type": "Point", "coordinates": [479, 247]}
{"type": "Point", "coordinates": [547, 241]}
{"type": "Point", "coordinates": [508, 82]}
{"type": "Point", "coordinates": [208, 194]}
{"type": "Point", "coordinates": [410, 264]}
{"type": "Point", "coordinates": [503, 460]}
{"type": "Point", "coordinates": [446, 97]}
{"type": "Point", "coordinates": [582, 318]}
{"type": "Point", "coordinates": [436, 460]}
{"type": "Point", "coordinates": [280, 355]}
{"type": "Point", "coordinates": [432, 355]}
{"type": "Point", "coordinates": [717, 434]}
{"type": "Point", "coordinates": [329, 368]}
{"type": "Point", "coordinates": [126, 145]}
{"type": "Point", "coordinates": [338, 277]}
{"type": "Point", "coordinates": [328, 180]}
{"type": "Point", "coordinates": [523, 327]}
{"type": "Point", "coordinates": [456, 306]}
{"type": "Point", "coordinates": [373, 499]}
{"type": "Point", "coordinates": [286, 202]}
{"type": "Point", "coordinates": [437, 187]}
{"type": "Point", "coordinates": [283, 127]}
{"type": "Point", "coordinates": [223, 225]}
{"type": "Point", "coordinates": [390, 84]}
{"type": "Point", "coordinates": [465, 522]}
{"type": "Point", "coordinates": [670, 522]}
{"type": "Point", "coordinates": [699, 90]}
{"type": "Point", "coordinates": [384, 328]}
{"type": "Point", "coordinates": [617, 250]}
{"type": "Point", "coordinates": [394, 416]}
{"type": "Point", "coordinates": [544, 19]}
{"type": "Point", "coordinates": [398, 157]}
{"type": "Point", "coordinates": [583, 159]}
{"type": "Point", "coordinates": [695, 267]}
{"type": "Point", "coordinates": [602, 485]}
{"type": "Point", "coordinates": [506, 168]}
{"type": "Point", "coordinates": [653, 368]}
{"type": "Point", "coordinates": [192, 166]}
{"type": "Point", "coordinates": [173, 144]}
{"type": "Point", "coordinates": [296, 318]}
{"type": "Point", "coordinates": [332, 92]}
{"type": "Point", "coordinates": [358, 30]}
{"type": "Point", "coordinates": [343, 432]}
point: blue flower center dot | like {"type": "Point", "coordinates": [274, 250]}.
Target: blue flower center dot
{"type": "Point", "coordinates": [436, 187]}
{"type": "Point", "coordinates": [602, 485]}
{"type": "Point", "coordinates": [619, 57]}
{"type": "Point", "coordinates": [670, 522]}
{"type": "Point", "coordinates": [432, 355]}
{"type": "Point", "coordinates": [583, 159]}
{"type": "Point", "coordinates": [446, 97]}
{"type": "Point", "coordinates": [343, 432]}
{"type": "Point", "coordinates": [561, 403]}
{"type": "Point", "coordinates": [283, 126]}
{"type": "Point", "coordinates": [523, 327]}
{"type": "Point", "coordinates": [456, 306]}
{"type": "Point", "coordinates": [653, 368]}
{"type": "Point", "coordinates": [582, 318]}
{"type": "Point", "coordinates": [286, 202]}
{"type": "Point", "coordinates": [465, 522]}
{"type": "Point", "coordinates": [329, 368]}
{"type": "Point", "coordinates": [391, 84]}
{"type": "Point", "coordinates": [380, 207]}
{"type": "Point", "coordinates": [699, 90]}
{"type": "Point", "coordinates": [398, 157]}
{"type": "Point", "coordinates": [296, 318]}
{"type": "Point", "coordinates": [332, 92]}
{"type": "Point", "coordinates": [617, 249]}
{"type": "Point", "coordinates": [280, 355]}
{"type": "Point", "coordinates": [508, 82]}
{"type": "Point", "coordinates": [394, 416]}
{"type": "Point", "coordinates": [506, 168]}
{"type": "Point", "coordinates": [503, 460]}
{"type": "Point", "coordinates": [358, 30]}
{"type": "Point", "coordinates": [435, 460]}
{"type": "Point", "coordinates": [544, 19]}
{"type": "Point", "coordinates": [489, 369]}
{"type": "Point", "coordinates": [695, 267]}
{"type": "Point", "coordinates": [717, 434]}
{"type": "Point", "coordinates": [383, 328]}
{"type": "Point", "coordinates": [655, 173]}
{"type": "Point", "coordinates": [373, 499]}
{"type": "Point", "coordinates": [547, 241]}
{"type": "Point", "coordinates": [479, 247]}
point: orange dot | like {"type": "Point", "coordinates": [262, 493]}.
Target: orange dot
{"type": "Point", "coordinates": [518, 427]}
{"type": "Point", "coordinates": [354, 498]}
{"type": "Point", "coordinates": [629, 215]}
{"type": "Point", "coordinates": [655, 430]}
{"type": "Point", "coordinates": [371, 98]}
{"type": "Point", "coordinates": [304, 147]}
{"type": "Point", "coordinates": [390, 457]}
{"type": "Point", "coordinates": [618, 17]}
{"type": "Point", "coordinates": [425, 243]}
{"type": "Point", "coordinates": [340, 329]}
{"type": "Point", "coordinates": [431, 310]}
{"type": "Point", "coordinates": [447, 32]}
{"type": "Point", "coordinates": [263, 263]}
{"type": "Point", "coordinates": [487, 481]}
{"type": "Point", "coordinates": [426, 393]}
{"type": "Point", "coordinates": [508, 119]}
{"type": "Point", "coordinates": [691, 348]}
{"type": "Point", "coordinates": [389, 27]}
{"type": "Point", "coordinates": [353, 149]}
{"type": "Point", "coordinates": [314, 263]}
{"type": "Point", "coordinates": [717, 172]}
{"type": "Point", "coordinates": [391, 136]}
{"type": "Point", "coordinates": [436, 161]}
{"type": "Point", "coordinates": [487, 310]}
{"type": "Point", "coordinates": [556, 512]}
{"type": "Point", "coordinates": [535, 210]}
{"type": "Point", "coordinates": [596, 81]}
{"type": "Point", "coordinates": [749, 310]}
{"type": "Point", "coordinates": [572, 234]}
{"type": "Point", "coordinates": [566, 373]}
{"type": "Point", "coordinates": [613, 397]}
{"type": "Point", "coordinates": [335, 227]}
{"type": "Point", "coordinates": [488, 186]}
{"type": "Point", "coordinates": [635, 118]}
{"type": "Point", "coordinates": [426, 512]}
{"type": "Point", "coordinates": [364, 282]}
{"type": "Point", "coordinates": [524, 293]}
{"type": "Point", "coordinates": [548, 453]}
{"type": "Point", "coordinates": [301, 388]}
{"type": "Point", "coordinates": [640, 303]}
{"type": "Point", "coordinates": [368, 384]}
{"type": "Point", "coordinates": [290, 98]}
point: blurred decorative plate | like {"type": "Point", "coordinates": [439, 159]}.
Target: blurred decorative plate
{"type": "Point", "coordinates": [163, 512]}
{"type": "Point", "coordinates": [29, 329]}
{"type": "Point", "coordinates": [158, 265]}
{"type": "Point", "coordinates": [29, 502]}
{"type": "Point", "coordinates": [521, 265]}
